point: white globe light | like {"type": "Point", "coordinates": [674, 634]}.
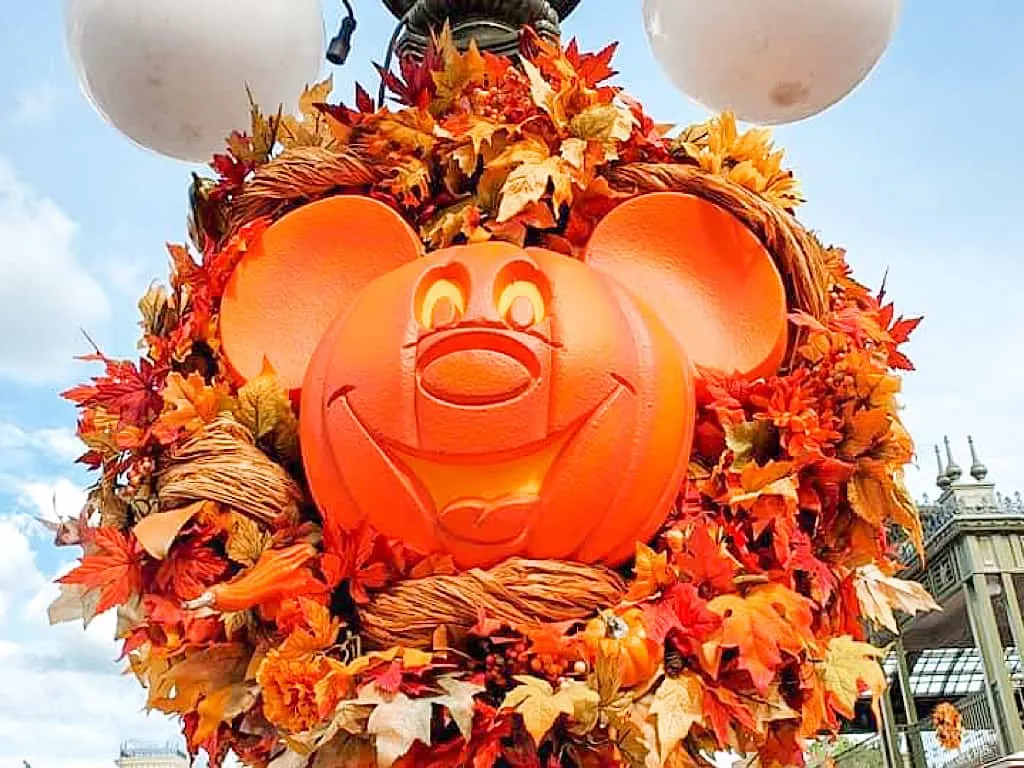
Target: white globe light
{"type": "Point", "coordinates": [769, 61]}
{"type": "Point", "coordinates": [172, 74]}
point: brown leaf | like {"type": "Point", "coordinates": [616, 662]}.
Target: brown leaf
{"type": "Point", "coordinates": [157, 532]}
{"type": "Point", "coordinates": [879, 595]}
{"type": "Point", "coordinates": [246, 540]}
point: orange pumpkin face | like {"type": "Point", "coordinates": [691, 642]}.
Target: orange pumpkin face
{"type": "Point", "coordinates": [488, 401]}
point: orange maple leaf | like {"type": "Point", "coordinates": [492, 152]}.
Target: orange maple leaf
{"type": "Point", "coordinates": [113, 567]}
{"type": "Point", "coordinates": [189, 403]}
{"type": "Point", "coordinates": [769, 621]}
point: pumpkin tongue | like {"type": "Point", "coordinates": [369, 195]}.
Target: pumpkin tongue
{"type": "Point", "coordinates": [489, 521]}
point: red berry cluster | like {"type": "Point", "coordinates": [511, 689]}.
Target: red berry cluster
{"type": "Point", "coordinates": [507, 101]}
{"type": "Point", "coordinates": [137, 476]}
{"type": "Point", "coordinates": [505, 660]}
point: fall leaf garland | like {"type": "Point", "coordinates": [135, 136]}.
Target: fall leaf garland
{"type": "Point", "coordinates": [750, 606]}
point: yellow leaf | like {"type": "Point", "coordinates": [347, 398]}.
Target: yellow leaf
{"type": "Point", "coordinates": [190, 403]}
{"type": "Point", "coordinates": [573, 151]}
{"type": "Point", "coordinates": [538, 705]}
{"type": "Point", "coordinates": [678, 704]}
{"type": "Point", "coordinates": [529, 183]}
{"type": "Point", "coordinates": [543, 94]}
{"type": "Point", "coordinates": [459, 701]}
{"type": "Point", "coordinates": [879, 595]}
{"type": "Point", "coordinates": [264, 409]}
{"type": "Point", "coordinates": [460, 70]}
{"type": "Point", "coordinates": [223, 705]}
{"type": "Point", "coordinates": [847, 665]}
{"type": "Point", "coordinates": [314, 128]}
{"type": "Point", "coordinates": [246, 540]}
{"type": "Point", "coordinates": [603, 122]}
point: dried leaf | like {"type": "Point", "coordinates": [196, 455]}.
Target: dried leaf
{"type": "Point", "coordinates": [398, 724]}
{"type": "Point", "coordinates": [246, 540]}
{"type": "Point", "coordinates": [848, 665]}
{"type": "Point", "coordinates": [539, 706]}
{"type": "Point", "coordinates": [879, 595]}
{"type": "Point", "coordinates": [157, 532]}
{"type": "Point", "coordinates": [315, 127]}
{"type": "Point", "coordinates": [678, 704]}
{"type": "Point", "coordinates": [73, 603]}
{"type": "Point", "coordinates": [265, 409]}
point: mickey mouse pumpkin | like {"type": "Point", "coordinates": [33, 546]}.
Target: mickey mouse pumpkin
{"type": "Point", "coordinates": [488, 400]}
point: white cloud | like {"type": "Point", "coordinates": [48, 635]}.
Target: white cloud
{"type": "Point", "coordinates": [57, 443]}
{"type": "Point", "coordinates": [19, 576]}
{"type": "Point", "coordinates": [46, 295]}
{"type": "Point", "coordinates": [56, 500]}
{"type": "Point", "coordinates": [64, 701]}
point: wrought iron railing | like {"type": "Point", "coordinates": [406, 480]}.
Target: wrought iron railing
{"type": "Point", "coordinates": [935, 518]}
{"type": "Point", "coordinates": [980, 741]}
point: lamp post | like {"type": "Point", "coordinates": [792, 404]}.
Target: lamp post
{"type": "Point", "coordinates": [495, 25]}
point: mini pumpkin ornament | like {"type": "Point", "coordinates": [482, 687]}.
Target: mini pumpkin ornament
{"type": "Point", "coordinates": [490, 401]}
{"type": "Point", "coordinates": [623, 638]}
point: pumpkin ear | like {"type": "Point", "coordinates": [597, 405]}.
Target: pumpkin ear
{"type": "Point", "coordinates": [308, 266]}
{"type": "Point", "coordinates": [714, 285]}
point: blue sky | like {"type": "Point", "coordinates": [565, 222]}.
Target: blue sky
{"type": "Point", "coordinates": [919, 171]}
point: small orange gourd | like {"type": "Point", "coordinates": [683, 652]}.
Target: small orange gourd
{"type": "Point", "coordinates": [278, 573]}
{"type": "Point", "coordinates": [623, 636]}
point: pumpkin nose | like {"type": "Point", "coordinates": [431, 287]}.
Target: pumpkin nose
{"type": "Point", "coordinates": [482, 374]}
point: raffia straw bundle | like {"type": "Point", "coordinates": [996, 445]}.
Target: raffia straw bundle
{"type": "Point", "coordinates": [222, 463]}
{"type": "Point", "coordinates": [517, 592]}
{"type": "Point", "coordinates": [297, 175]}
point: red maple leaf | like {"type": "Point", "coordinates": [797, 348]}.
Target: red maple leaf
{"type": "Point", "coordinates": [131, 391]}
{"type": "Point", "coordinates": [723, 709]}
{"type": "Point", "coordinates": [190, 567]}
{"type": "Point", "coordinates": [363, 561]}
{"type": "Point", "coordinates": [823, 581]}
{"type": "Point", "coordinates": [415, 86]}
{"type": "Point", "coordinates": [706, 563]}
{"type": "Point", "coordinates": [681, 617]}
{"type": "Point", "coordinates": [113, 567]}
{"type": "Point", "coordinates": [592, 68]}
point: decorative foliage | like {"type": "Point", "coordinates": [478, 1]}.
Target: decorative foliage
{"type": "Point", "coordinates": [742, 624]}
{"type": "Point", "coordinates": [949, 727]}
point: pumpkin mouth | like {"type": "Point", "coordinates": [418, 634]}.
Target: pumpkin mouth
{"type": "Point", "coordinates": [484, 499]}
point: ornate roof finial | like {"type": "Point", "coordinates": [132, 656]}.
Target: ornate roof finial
{"type": "Point", "coordinates": [953, 471]}
{"type": "Point", "coordinates": [941, 480]}
{"type": "Point", "coordinates": [978, 470]}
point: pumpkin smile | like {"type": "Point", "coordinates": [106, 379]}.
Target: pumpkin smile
{"type": "Point", "coordinates": [490, 499]}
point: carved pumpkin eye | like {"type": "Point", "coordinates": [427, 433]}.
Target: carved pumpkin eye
{"type": "Point", "coordinates": [521, 304]}
{"type": "Point", "coordinates": [443, 304]}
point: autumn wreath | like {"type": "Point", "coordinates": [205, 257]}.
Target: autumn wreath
{"type": "Point", "coordinates": [740, 626]}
